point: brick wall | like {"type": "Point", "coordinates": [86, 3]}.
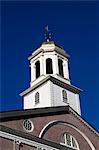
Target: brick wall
{"type": "Point", "coordinates": [54, 133]}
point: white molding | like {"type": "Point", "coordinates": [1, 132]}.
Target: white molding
{"type": "Point", "coordinates": [40, 135]}
{"type": "Point", "coordinates": [85, 123]}
{"type": "Point", "coordinates": [25, 141]}
{"type": "Point", "coordinates": [72, 126]}
{"type": "Point", "coordinates": [31, 125]}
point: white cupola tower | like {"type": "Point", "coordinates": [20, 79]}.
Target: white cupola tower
{"type": "Point", "coordinates": [50, 84]}
{"type": "Point", "coordinates": [49, 59]}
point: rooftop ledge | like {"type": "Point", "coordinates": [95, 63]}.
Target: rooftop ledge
{"type": "Point", "coordinates": [52, 46]}
{"type": "Point", "coordinates": [55, 81]}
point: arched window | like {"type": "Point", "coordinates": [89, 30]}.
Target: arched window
{"type": "Point", "coordinates": [37, 69]}
{"type": "Point", "coordinates": [37, 99]}
{"type": "Point", "coordinates": [69, 140]}
{"type": "Point", "coordinates": [64, 95]}
{"type": "Point", "coordinates": [28, 125]}
{"type": "Point", "coordinates": [60, 67]}
{"type": "Point", "coordinates": [49, 68]}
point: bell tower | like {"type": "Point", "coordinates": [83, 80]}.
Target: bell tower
{"type": "Point", "coordinates": [49, 59]}
{"type": "Point", "coordinates": [50, 85]}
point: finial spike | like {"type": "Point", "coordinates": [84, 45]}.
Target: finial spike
{"type": "Point", "coordinates": [47, 34]}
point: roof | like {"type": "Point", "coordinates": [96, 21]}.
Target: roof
{"type": "Point", "coordinates": [30, 138]}
{"type": "Point", "coordinates": [53, 42]}
{"type": "Point", "coordinates": [37, 112]}
{"type": "Point", "coordinates": [41, 48]}
{"type": "Point", "coordinates": [55, 81]}
{"type": "Point", "coordinates": [41, 112]}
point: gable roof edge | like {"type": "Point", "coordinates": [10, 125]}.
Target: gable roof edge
{"type": "Point", "coordinates": [83, 121]}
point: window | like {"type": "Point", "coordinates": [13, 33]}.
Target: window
{"type": "Point", "coordinates": [28, 125]}
{"type": "Point", "coordinates": [37, 65]}
{"type": "Point", "coordinates": [41, 149]}
{"type": "Point", "coordinates": [69, 141]}
{"type": "Point", "coordinates": [37, 98]}
{"type": "Point", "coordinates": [64, 94]}
{"type": "Point", "coordinates": [49, 69]}
{"type": "Point", "coordinates": [60, 66]}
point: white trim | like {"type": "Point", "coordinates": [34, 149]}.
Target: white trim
{"type": "Point", "coordinates": [69, 146]}
{"type": "Point", "coordinates": [72, 126]}
{"type": "Point", "coordinates": [40, 135]}
{"type": "Point", "coordinates": [31, 125]}
{"type": "Point", "coordinates": [65, 143]}
{"type": "Point", "coordinates": [25, 141]}
{"type": "Point", "coordinates": [81, 119]}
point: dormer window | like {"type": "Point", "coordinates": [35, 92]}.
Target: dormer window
{"type": "Point", "coordinates": [49, 68]}
{"type": "Point", "coordinates": [69, 140]}
{"type": "Point", "coordinates": [37, 69]}
{"type": "Point", "coordinates": [60, 67]}
{"type": "Point", "coordinates": [37, 98]}
{"type": "Point", "coordinates": [64, 95]}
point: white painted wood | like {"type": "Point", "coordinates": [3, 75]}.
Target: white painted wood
{"type": "Point", "coordinates": [48, 52]}
{"type": "Point", "coordinates": [50, 94]}
{"type": "Point", "coordinates": [44, 101]}
{"type": "Point", "coordinates": [65, 69]}
{"type": "Point", "coordinates": [25, 141]}
{"type": "Point", "coordinates": [72, 126]}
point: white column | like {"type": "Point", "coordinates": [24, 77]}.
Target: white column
{"type": "Point", "coordinates": [55, 64]}
{"type": "Point", "coordinates": [18, 144]}
{"type": "Point", "coordinates": [14, 145]}
{"type": "Point", "coordinates": [65, 69]}
{"type": "Point", "coordinates": [42, 65]}
{"type": "Point", "coordinates": [78, 104]}
{"type": "Point", "coordinates": [32, 71]}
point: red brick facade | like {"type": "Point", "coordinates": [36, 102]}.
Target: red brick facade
{"type": "Point", "coordinates": [6, 144]}
{"type": "Point", "coordinates": [72, 125]}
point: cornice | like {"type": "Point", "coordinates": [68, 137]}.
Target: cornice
{"type": "Point", "coordinates": [41, 112]}
{"type": "Point", "coordinates": [33, 113]}
{"type": "Point", "coordinates": [55, 81]}
{"type": "Point", "coordinates": [28, 139]}
{"type": "Point", "coordinates": [83, 121]}
{"type": "Point", "coordinates": [56, 48]}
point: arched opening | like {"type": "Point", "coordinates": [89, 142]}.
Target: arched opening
{"type": "Point", "coordinates": [37, 69]}
{"type": "Point", "coordinates": [37, 98]}
{"type": "Point", "coordinates": [64, 95]}
{"type": "Point", "coordinates": [60, 67]}
{"type": "Point", "coordinates": [55, 122]}
{"type": "Point", "coordinates": [68, 140]}
{"type": "Point", "coordinates": [49, 68]}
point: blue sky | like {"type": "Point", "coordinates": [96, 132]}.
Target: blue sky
{"type": "Point", "coordinates": [74, 26]}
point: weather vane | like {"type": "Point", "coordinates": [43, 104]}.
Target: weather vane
{"type": "Point", "coordinates": [47, 34]}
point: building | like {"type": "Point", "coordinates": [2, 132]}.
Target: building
{"type": "Point", "coordinates": [51, 119]}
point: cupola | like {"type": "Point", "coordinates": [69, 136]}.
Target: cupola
{"type": "Point", "coordinates": [50, 84]}
{"type": "Point", "coordinates": [49, 59]}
